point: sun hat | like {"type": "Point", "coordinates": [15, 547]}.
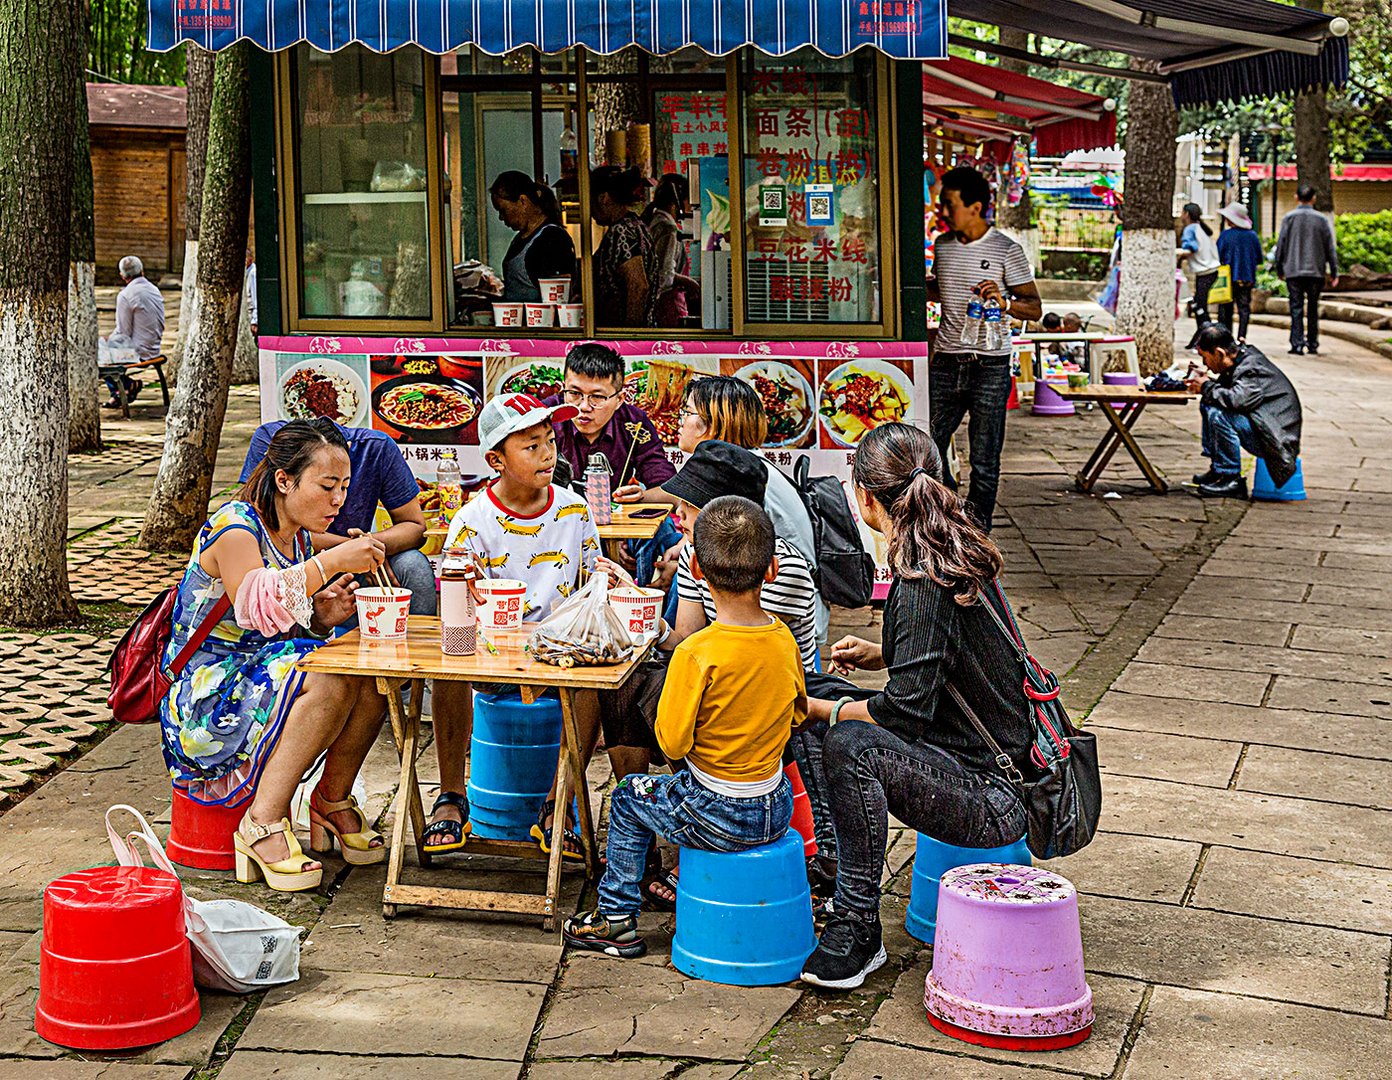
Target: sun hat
{"type": "Point", "coordinates": [1237, 214]}
{"type": "Point", "coordinates": [719, 468]}
{"type": "Point", "coordinates": [509, 414]}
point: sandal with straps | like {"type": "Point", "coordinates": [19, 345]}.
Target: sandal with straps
{"type": "Point", "coordinates": [444, 836]}
{"type": "Point", "coordinates": [358, 847]}
{"type": "Point", "coordinates": [542, 834]}
{"type": "Point", "coordinates": [289, 874]}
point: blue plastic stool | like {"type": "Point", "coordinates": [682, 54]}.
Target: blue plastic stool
{"type": "Point", "coordinates": [932, 859]}
{"type": "Point", "coordinates": [1293, 490]}
{"type": "Point", "coordinates": [512, 763]}
{"type": "Point", "coordinates": [744, 918]}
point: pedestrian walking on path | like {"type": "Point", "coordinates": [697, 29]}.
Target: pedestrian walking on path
{"type": "Point", "coordinates": [1239, 247]}
{"type": "Point", "coordinates": [1305, 248]}
{"type": "Point", "coordinates": [1198, 255]}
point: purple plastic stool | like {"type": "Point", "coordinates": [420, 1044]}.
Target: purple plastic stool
{"type": "Point", "coordinates": [1119, 378]}
{"type": "Point", "coordinates": [1048, 403]}
{"type": "Point", "coordinates": [1008, 959]}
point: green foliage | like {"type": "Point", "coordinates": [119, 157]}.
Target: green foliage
{"type": "Point", "coordinates": [1267, 279]}
{"type": "Point", "coordinates": [1365, 239]}
{"type": "Point", "coordinates": [116, 46]}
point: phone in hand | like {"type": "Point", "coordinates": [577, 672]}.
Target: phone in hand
{"type": "Point", "coordinates": [651, 512]}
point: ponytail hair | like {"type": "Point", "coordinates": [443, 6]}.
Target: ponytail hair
{"type": "Point", "coordinates": [1194, 212]}
{"type": "Point", "coordinates": [933, 535]}
{"type": "Point", "coordinates": [513, 185]}
{"type": "Point", "coordinates": [291, 451]}
{"type": "Point", "coordinates": [626, 186]}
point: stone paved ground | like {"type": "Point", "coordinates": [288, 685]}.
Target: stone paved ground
{"type": "Point", "coordinates": [1234, 662]}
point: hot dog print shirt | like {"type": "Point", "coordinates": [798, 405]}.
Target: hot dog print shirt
{"type": "Point", "coordinates": [546, 550]}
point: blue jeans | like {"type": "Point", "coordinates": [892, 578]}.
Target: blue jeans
{"type": "Point", "coordinates": [646, 553]}
{"type": "Point", "coordinates": [414, 572]}
{"type": "Point", "coordinates": [679, 809]}
{"type": "Point", "coordinates": [1225, 435]}
{"type": "Point", "coordinates": [962, 383]}
{"type": "Point", "coordinates": [873, 772]}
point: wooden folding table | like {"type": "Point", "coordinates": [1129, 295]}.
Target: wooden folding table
{"type": "Point", "coordinates": [417, 658]}
{"type": "Point", "coordinates": [1133, 400]}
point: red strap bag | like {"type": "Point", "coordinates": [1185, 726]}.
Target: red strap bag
{"type": "Point", "coordinates": [138, 681]}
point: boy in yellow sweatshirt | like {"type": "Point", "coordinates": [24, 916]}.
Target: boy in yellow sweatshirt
{"type": "Point", "coordinates": [733, 695]}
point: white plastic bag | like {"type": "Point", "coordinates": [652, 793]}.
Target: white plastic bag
{"type": "Point", "coordinates": [582, 629]}
{"type": "Point", "coordinates": [237, 947]}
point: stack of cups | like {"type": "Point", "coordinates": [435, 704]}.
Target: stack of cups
{"type": "Point", "coordinates": [458, 626]}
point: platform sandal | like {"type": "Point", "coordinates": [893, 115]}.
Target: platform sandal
{"type": "Point", "coordinates": [288, 874]}
{"type": "Point", "coordinates": [358, 847]}
{"type": "Point", "coordinates": [542, 834]}
{"type": "Point", "coordinates": [442, 837]}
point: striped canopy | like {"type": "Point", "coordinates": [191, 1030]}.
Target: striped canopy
{"type": "Point", "coordinates": [904, 29]}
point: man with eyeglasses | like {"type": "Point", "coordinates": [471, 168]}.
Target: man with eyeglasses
{"type": "Point", "coordinates": [606, 424]}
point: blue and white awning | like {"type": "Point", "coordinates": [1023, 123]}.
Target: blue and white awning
{"type": "Point", "coordinates": [904, 29]}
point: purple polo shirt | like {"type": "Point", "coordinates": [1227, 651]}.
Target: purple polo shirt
{"type": "Point", "coordinates": [649, 464]}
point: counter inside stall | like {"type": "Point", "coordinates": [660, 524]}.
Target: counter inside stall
{"type": "Point", "coordinates": [426, 393]}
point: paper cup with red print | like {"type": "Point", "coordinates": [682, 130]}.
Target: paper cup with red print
{"type": "Point", "coordinates": [554, 290]}
{"type": "Point", "coordinates": [382, 613]}
{"type": "Point", "coordinates": [541, 314]}
{"type": "Point", "coordinates": [508, 314]}
{"type": "Point", "coordinates": [500, 605]}
{"type": "Point", "coordinates": [640, 610]}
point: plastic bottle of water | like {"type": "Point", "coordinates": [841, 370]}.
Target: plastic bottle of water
{"type": "Point", "coordinates": [450, 482]}
{"type": "Point", "coordinates": [995, 327]}
{"type": "Point", "coordinates": [971, 326]}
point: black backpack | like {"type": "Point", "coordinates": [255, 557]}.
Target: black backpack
{"type": "Point", "coordinates": [845, 573]}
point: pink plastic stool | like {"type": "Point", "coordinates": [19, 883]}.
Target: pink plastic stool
{"type": "Point", "coordinates": [1008, 959]}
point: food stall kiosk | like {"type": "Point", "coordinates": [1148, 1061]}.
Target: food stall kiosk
{"type": "Point", "coordinates": [380, 126]}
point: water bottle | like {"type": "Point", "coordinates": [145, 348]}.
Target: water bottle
{"type": "Point", "coordinates": [995, 327]}
{"type": "Point", "coordinates": [971, 327]}
{"type": "Point", "coordinates": [597, 493]}
{"type": "Point", "coordinates": [450, 483]}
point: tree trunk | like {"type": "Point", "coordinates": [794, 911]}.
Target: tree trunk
{"type": "Point", "coordinates": [246, 367]}
{"type": "Point", "coordinates": [200, 97]}
{"type": "Point", "coordinates": [1145, 304]}
{"type": "Point", "coordinates": [179, 502]}
{"type": "Point", "coordinates": [1312, 138]}
{"type": "Point", "coordinates": [84, 412]}
{"type": "Point", "coordinates": [41, 52]}
{"type": "Point", "coordinates": [1014, 221]}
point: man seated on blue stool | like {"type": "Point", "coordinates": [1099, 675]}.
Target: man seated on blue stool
{"type": "Point", "coordinates": [734, 693]}
{"type": "Point", "coordinates": [1247, 404]}
{"type": "Point", "coordinates": [379, 475]}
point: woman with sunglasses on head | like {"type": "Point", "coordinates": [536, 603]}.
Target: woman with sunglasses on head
{"type": "Point", "coordinates": [240, 725]}
{"type": "Point", "coordinates": [910, 749]}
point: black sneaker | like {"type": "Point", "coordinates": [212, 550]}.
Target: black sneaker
{"type": "Point", "coordinates": [598, 933]}
{"type": "Point", "coordinates": [1206, 477]}
{"type": "Point", "coordinates": [1296, 350]}
{"type": "Point", "coordinates": [850, 949]}
{"type": "Point", "coordinates": [1225, 487]}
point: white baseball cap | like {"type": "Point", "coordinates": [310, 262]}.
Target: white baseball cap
{"type": "Point", "coordinates": [508, 414]}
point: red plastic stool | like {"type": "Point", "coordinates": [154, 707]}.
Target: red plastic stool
{"type": "Point", "coordinates": [115, 970]}
{"type": "Point", "coordinates": [802, 810]}
{"type": "Point", "coordinates": [201, 836]}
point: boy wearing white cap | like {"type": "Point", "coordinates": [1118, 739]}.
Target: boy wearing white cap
{"type": "Point", "coordinates": [524, 527]}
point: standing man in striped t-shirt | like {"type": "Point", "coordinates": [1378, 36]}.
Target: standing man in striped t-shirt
{"type": "Point", "coordinates": [966, 377]}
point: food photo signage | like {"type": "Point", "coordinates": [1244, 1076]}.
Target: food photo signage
{"type": "Point", "coordinates": [821, 397]}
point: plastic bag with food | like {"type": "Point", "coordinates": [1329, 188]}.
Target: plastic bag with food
{"type": "Point", "coordinates": [583, 630]}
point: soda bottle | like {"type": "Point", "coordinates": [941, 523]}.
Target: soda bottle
{"type": "Point", "coordinates": [995, 327]}
{"type": "Point", "coordinates": [971, 326]}
{"type": "Point", "coordinates": [450, 482]}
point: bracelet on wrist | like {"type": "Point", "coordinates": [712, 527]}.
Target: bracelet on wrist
{"type": "Point", "coordinates": [836, 710]}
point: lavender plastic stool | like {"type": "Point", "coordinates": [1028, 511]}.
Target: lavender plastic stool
{"type": "Point", "coordinates": [1119, 378]}
{"type": "Point", "coordinates": [1008, 960]}
{"type": "Point", "coordinates": [1048, 403]}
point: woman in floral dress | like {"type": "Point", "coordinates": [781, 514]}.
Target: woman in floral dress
{"type": "Point", "coordinates": [240, 724]}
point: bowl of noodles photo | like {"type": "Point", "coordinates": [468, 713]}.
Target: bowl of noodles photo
{"type": "Point", "coordinates": [323, 387]}
{"type": "Point", "coordinates": [859, 396]}
{"type": "Point", "coordinates": [432, 408]}
{"type": "Point", "coordinates": [787, 400]}
{"type": "Point", "coordinates": [658, 387]}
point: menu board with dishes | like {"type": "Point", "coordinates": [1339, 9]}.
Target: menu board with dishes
{"type": "Point", "coordinates": [821, 397]}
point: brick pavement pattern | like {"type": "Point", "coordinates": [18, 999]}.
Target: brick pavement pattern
{"type": "Point", "coordinates": [1235, 662]}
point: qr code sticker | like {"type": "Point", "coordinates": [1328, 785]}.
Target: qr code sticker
{"type": "Point", "coordinates": [819, 206]}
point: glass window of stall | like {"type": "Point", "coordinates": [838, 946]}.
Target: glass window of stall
{"type": "Point", "coordinates": [815, 183]}
{"type": "Point", "coordinates": [362, 203]}
{"type": "Point", "coordinates": [511, 158]}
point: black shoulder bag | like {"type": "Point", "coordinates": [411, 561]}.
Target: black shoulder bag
{"type": "Point", "coordinates": [1063, 796]}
